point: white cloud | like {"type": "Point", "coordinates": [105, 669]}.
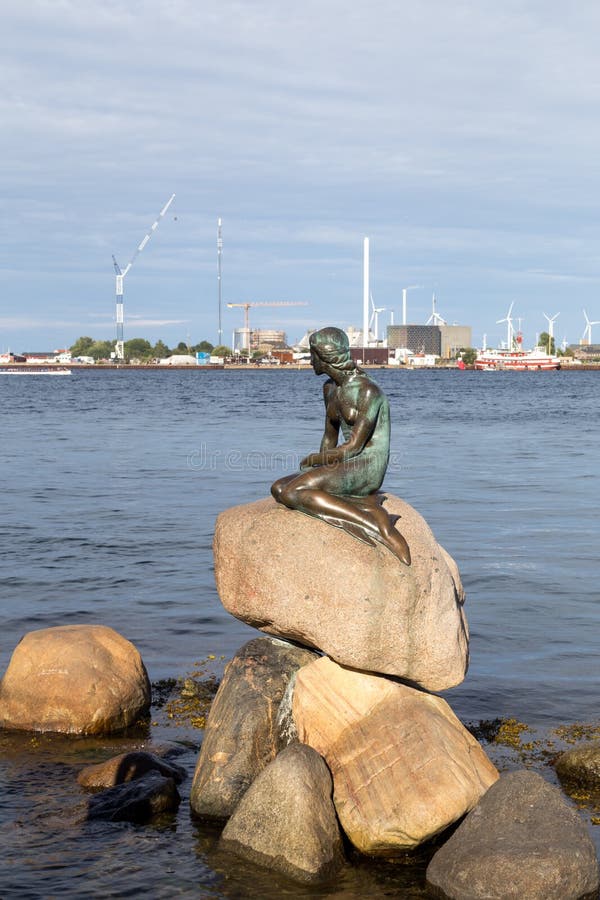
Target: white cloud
{"type": "Point", "coordinates": [462, 138]}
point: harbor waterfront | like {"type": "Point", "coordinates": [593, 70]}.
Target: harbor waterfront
{"type": "Point", "coordinates": [114, 481]}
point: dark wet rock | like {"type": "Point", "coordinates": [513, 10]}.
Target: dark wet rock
{"type": "Point", "coordinates": [522, 841]}
{"type": "Point", "coordinates": [127, 767]}
{"type": "Point", "coordinates": [580, 766]}
{"type": "Point", "coordinates": [286, 820]}
{"type": "Point", "coordinates": [243, 733]}
{"type": "Point", "coordinates": [76, 679]}
{"type": "Point", "coordinates": [136, 801]}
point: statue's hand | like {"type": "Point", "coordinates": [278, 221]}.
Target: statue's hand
{"type": "Point", "coordinates": [313, 459]}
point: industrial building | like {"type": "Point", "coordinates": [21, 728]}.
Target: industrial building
{"type": "Point", "coordinates": [260, 339]}
{"type": "Point", "coordinates": [416, 338]}
{"type": "Point", "coordinates": [267, 337]}
{"type": "Point", "coordinates": [455, 338]}
{"type": "Point", "coordinates": [440, 340]}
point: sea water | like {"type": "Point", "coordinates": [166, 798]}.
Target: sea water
{"type": "Point", "coordinates": [112, 483]}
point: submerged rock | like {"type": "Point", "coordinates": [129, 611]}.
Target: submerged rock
{"type": "Point", "coordinates": [404, 768]}
{"type": "Point", "coordinates": [521, 841]}
{"type": "Point", "coordinates": [299, 578]}
{"type": "Point", "coordinates": [580, 766]}
{"type": "Point", "coordinates": [243, 733]}
{"type": "Point", "coordinates": [127, 767]}
{"type": "Point", "coordinates": [77, 679]}
{"type": "Point", "coordinates": [286, 819]}
{"type": "Point", "coordinates": [137, 801]}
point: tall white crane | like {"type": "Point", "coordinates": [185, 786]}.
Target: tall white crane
{"type": "Point", "coordinates": [509, 327]}
{"type": "Point", "coordinates": [587, 334]}
{"type": "Point", "coordinates": [120, 345]}
{"type": "Point", "coordinates": [551, 320]}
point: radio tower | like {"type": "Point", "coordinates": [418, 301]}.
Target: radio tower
{"type": "Point", "coordinates": [120, 346]}
{"type": "Point", "coordinates": [219, 252]}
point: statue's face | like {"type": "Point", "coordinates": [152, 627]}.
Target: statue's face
{"type": "Point", "coordinates": [316, 363]}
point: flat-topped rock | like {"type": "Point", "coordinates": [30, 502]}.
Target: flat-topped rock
{"type": "Point", "coordinates": [76, 679]}
{"type": "Point", "coordinates": [299, 578]}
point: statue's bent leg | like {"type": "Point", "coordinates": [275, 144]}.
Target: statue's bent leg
{"type": "Point", "coordinates": [366, 519]}
{"type": "Point", "coordinates": [277, 488]}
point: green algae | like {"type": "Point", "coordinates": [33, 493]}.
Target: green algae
{"type": "Point", "coordinates": [185, 702]}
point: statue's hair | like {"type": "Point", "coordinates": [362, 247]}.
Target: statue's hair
{"type": "Point", "coordinates": [332, 347]}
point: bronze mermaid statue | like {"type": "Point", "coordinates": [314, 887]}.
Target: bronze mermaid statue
{"type": "Point", "coordinates": [340, 484]}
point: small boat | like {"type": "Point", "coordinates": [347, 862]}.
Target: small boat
{"type": "Point", "coordinates": [20, 369]}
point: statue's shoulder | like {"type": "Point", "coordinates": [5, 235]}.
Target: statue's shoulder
{"type": "Point", "coordinates": [329, 389]}
{"type": "Point", "coordinates": [371, 390]}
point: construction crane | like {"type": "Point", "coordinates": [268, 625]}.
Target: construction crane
{"type": "Point", "coordinates": [246, 307]}
{"type": "Point", "coordinates": [120, 346]}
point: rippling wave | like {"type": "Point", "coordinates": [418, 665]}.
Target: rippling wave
{"type": "Point", "coordinates": [113, 484]}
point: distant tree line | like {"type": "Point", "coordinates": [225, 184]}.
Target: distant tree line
{"type": "Point", "coordinates": [140, 348]}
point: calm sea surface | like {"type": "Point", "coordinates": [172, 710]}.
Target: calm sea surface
{"type": "Point", "coordinates": [112, 482]}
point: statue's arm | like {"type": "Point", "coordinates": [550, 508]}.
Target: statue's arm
{"type": "Point", "coordinates": [330, 434]}
{"type": "Point", "coordinates": [362, 431]}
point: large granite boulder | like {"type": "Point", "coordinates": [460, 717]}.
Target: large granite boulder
{"type": "Point", "coordinates": [404, 768]}
{"type": "Point", "coordinates": [299, 578]}
{"type": "Point", "coordinates": [521, 841]}
{"type": "Point", "coordinates": [76, 679]}
{"type": "Point", "coordinates": [244, 728]}
{"type": "Point", "coordinates": [286, 820]}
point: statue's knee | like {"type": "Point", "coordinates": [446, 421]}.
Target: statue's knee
{"type": "Point", "coordinates": [282, 492]}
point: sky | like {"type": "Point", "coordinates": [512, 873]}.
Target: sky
{"type": "Point", "coordinates": [462, 138]}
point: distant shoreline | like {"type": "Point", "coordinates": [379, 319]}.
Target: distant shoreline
{"type": "Point", "coordinates": [75, 367]}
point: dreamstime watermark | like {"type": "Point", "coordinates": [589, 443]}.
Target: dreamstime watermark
{"type": "Point", "coordinates": [205, 458]}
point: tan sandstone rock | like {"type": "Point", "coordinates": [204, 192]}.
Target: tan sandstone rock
{"type": "Point", "coordinates": [404, 768]}
{"type": "Point", "coordinates": [299, 578]}
{"type": "Point", "coordinates": [76, 679]}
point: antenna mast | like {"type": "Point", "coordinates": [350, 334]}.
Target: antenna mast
{"type": "Point", "coordinates": [219, 252]}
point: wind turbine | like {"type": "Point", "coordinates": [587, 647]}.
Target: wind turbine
{"type": "Point", "coordinates": [587, 334]}
{"type": "Point", "coordinates": [509, 326]}
{"type": "Point", "coordinates": [375, 317]}
{"type": "Point", "coordinates": [434, 318]}
{"type": "Point", "coordinates": [120, 346]}
{"type": "Point", "coordinates": [551, 320]}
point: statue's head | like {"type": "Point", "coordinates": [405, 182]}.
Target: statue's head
{"type": "Point", "coordinates": [331, 346]}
